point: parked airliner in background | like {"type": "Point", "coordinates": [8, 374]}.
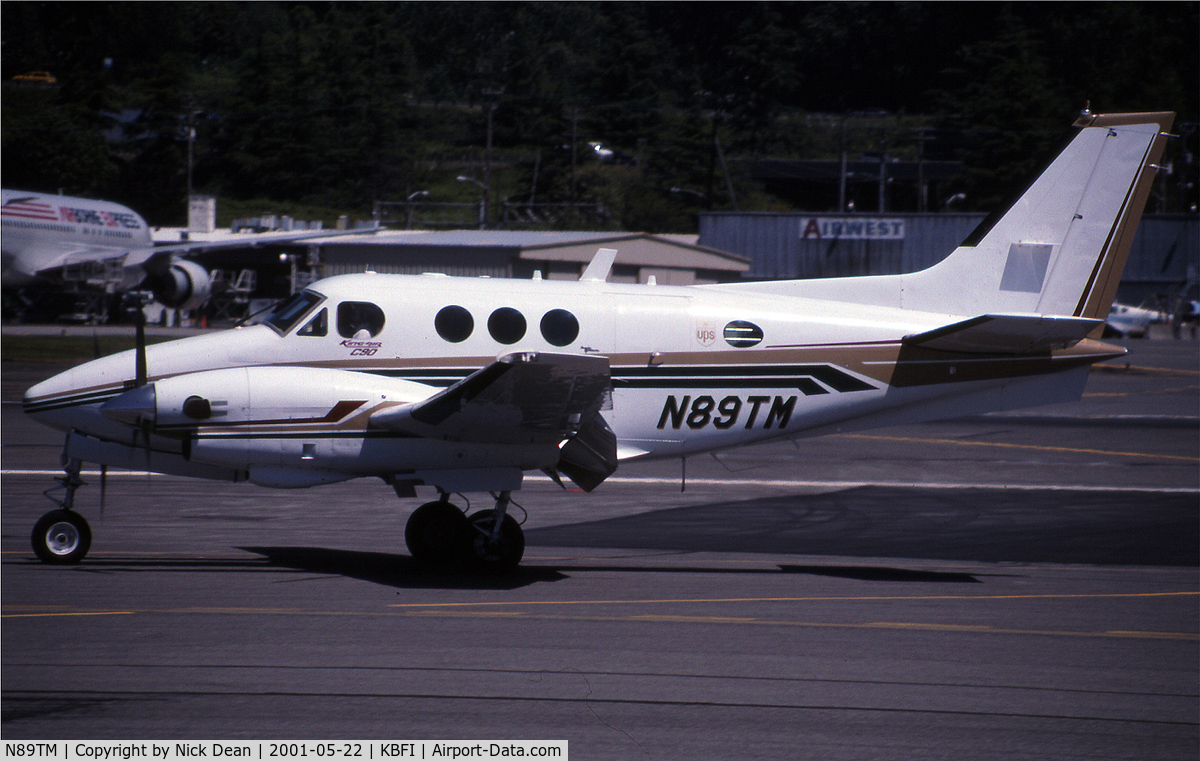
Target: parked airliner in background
{"type": "Point", "coordinates": [397, 377]}
{"type": "Point", "coordinates": [45, 235]}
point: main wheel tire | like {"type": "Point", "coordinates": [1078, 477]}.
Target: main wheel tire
{"type": "Point", "coordinates": [494, 556]}
{"type": "Point", "coordinates": [435, 533]}
{"type": "Point", "coordinates": [61, 537]}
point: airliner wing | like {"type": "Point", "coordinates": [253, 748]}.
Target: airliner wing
{"type": "Point", "coordinates": [525, 398]}
{"type": "Point", "coordinates": [52, 259]}
{"type": "Point", "coordinates": [147, 258]}
{"type": "Point", "coordinates": [1006, 334]}
{"type": "Point", "coordinates": [142, 260]}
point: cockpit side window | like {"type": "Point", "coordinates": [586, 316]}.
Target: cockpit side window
{"type": "Point", "coordinates": [317, 326]}
{"type": "Point", "coordinates": [359, 319]}
{"type": "Point", "coordinates": [288, 314]}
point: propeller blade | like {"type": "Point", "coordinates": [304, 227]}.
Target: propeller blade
{"type": "Point", "coordinates": [140, 348]}
{"type": "Point", "coordinates": [103, 487]}
{"type": "Point", "coordinates": [146, 434]}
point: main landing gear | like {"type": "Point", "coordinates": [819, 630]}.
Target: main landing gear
{"type": "Point", "coordinates": [488, 541]}
{"type": "Point", "coordinates": [62, 536]}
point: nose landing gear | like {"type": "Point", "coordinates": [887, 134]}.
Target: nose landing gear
{"type": "Point", "coordinates": [62, 536]}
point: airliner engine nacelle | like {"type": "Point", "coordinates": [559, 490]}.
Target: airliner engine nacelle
{"type": "Point", "coordinates": [184, 285]}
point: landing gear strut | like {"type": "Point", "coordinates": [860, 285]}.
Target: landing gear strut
{"type": "Point", "coordinates": [489, 541]}
{"type": "Point", "coordinates": [62, 536]}
{"type": "Point", "coordinates": [496, 543]}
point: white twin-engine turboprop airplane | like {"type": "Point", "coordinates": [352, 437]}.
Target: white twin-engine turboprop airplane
{"type": "Point", "coordinates": [396, 376]}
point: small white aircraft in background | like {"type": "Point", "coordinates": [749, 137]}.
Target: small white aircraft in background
{"type": "Point", "coordinates": [1133, 322]}
{"type": "Point", "coordinates": [397, 377]}
{"type": "Point", "coordinates": [44, 235]}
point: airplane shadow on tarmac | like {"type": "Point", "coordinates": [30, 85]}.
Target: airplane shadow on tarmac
{"type": "Point", "coordinates": [976, 525]}
{"type": "Point", "coordinates": [397, 570]}
{"type": "Point", "coordinates": [971, 525]}
{"type": "Point", "coordinates": [403, 572]}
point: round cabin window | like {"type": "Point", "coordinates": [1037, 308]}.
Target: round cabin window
{"type": "Point", "coordinates": [507, 325]}
{"type": "Point", "coordinates": [454, 323]}
{"type": "Point", "coordinates": [559, 327]}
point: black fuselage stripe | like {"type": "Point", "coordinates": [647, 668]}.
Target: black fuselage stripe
{"type": "Point", "coordinates": [777, 376]}
{"type": "Point", "coordinates": [733, 377]}
{"type": "Point", "coordinates": [210, 436]}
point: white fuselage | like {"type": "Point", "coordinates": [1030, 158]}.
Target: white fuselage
{"type": "Point", "coordinates": [693, 369]}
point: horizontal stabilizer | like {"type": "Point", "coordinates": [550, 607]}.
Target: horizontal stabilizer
{"type": "Point", "coordinates": [1006, 334]}
{"type": "Point", "coordinates": [526, 398]}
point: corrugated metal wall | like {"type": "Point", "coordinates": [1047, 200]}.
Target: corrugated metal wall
{"type": "Point", "coordinates": [1165, 252]}
{"type": "Point", "coordinates": [776, 245]}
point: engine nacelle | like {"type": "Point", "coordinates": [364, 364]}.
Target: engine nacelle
{"type": "Point", "coordinates": [184, 285]}
{"type": "Point", "coordinates": [303, 426]}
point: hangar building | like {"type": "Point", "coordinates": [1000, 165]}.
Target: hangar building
{"type": "Point", "coordinates": [668, 259]}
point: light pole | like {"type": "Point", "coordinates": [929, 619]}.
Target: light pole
{"type": "Point", "coordinates": [191, 138]}
{"type": "Point", "coordinates": [482, 199]}
{"type": "Point", "coordinates": [688, 192]}
{"type": "Point", "coordinates": [408, 206]}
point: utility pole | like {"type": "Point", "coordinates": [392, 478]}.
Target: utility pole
{"type": "Point", "coordinates": [922, 190]}
{"type": "Point", "coordinates": [491, 95]}
{"type": "Point", "coordinates": [574, 142]}
{"type": "Point", "coordinates": [842, 174]}
{"type": "Point", "coordinates": [712, 164]}
{"type": "Point", "coordinates": [883, 174]}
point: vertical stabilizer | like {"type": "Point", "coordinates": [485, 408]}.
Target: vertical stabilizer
{"type": "Point", "coordinates": [1059, 250]}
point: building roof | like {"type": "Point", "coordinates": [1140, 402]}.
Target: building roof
{"type": "Point", "coordinates": [566, 246]}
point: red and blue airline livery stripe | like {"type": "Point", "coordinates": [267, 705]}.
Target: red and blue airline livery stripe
{"type": "Point", "coordinates": [43, 212]}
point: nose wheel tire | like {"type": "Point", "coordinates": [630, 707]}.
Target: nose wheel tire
{"type": "Point", "coordinates": [61, 537]}
{"type": "Point", "coordinates": [494, 554]}
{"type": "Point", "coordinates": [435, 533]}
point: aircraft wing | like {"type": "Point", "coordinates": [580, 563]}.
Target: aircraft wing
{"type": "Point", "coordinates": [159, 256]}
{"type": "Point", "coordinates": [137, 262]}
{"type": "Point", "coordinates": [524, 398]}
{"type": "Point", "coordinates": [1006, 334]}
{"type": "Point", "coordinates": [53, 258]}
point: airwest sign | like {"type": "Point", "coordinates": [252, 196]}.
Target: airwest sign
{"type": "Point", "coordinates": [851, 228]}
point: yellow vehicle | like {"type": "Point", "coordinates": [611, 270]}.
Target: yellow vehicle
{"type": "Point", "coordinates": [42, 77]}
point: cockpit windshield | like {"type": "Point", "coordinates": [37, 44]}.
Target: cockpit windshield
{"type": "Point", "coordinates": [292, 311]}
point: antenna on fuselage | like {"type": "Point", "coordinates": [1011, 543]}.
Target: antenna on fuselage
{"type": "Point", "coordinates": [600, 265]}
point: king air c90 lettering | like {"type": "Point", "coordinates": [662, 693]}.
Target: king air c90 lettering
{"type": "Point", "coordinates": [616, 371]}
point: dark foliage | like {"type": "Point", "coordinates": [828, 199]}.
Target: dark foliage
{"type": "Point", "coordinates": [342, 104]}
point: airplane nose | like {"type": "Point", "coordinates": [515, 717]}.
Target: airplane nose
{"type": "Point", "coordinates": [132, 407]}
{"type": "Point", "coordinates": [44, 400]}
